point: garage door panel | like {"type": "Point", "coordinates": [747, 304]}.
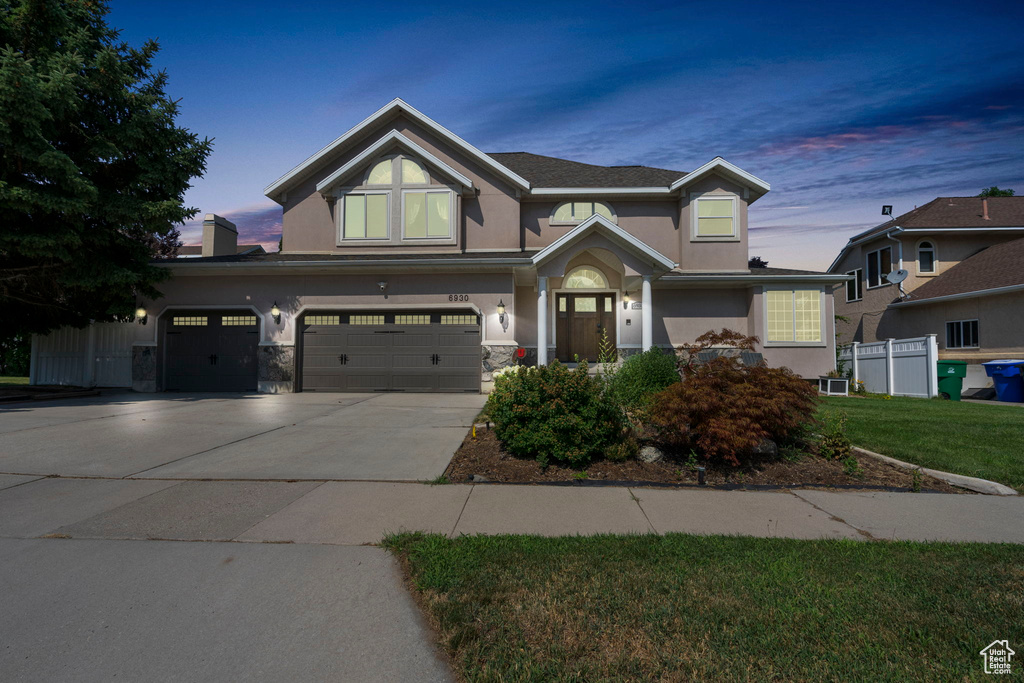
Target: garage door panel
{"type": "Point", "coordinates": [380, 354]}
{"type": "Point", "coordinates": [211, 356]}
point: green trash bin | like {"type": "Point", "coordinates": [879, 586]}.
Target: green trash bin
{"type": "Point", "coordinates": [951, 378]}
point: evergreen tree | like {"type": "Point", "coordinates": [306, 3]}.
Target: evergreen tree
{"type": "Point", "coordinates": [93, 169]}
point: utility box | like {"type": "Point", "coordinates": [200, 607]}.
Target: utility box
{"type": "Point", "coordinates": [951, 378]}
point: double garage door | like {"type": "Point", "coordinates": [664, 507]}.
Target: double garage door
{"type": "Point", "coordinates": [211, 351]}
{"type": "Point", "coordinates": [403, 351]}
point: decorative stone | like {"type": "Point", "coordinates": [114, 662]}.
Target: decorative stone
{"type": "Point", "coordinates": [767, 448]}
{"type": "Point", "coordinates": [478, 478]}
{"type": "Point", "coordinates": [144, 368]}
{"type": "Point", "coordinates": [276, 364]}
{"type": "Point", "coordinates": [650, 454]}
{"type": "Point", "coordinates": [275, 371]}
{"type": "Point", "coordinates": [495, 358]}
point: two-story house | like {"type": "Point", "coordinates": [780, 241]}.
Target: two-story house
{"type": "Point", "coordinates": [964, 258]}
{"type": "Point", "coordinates": [413, 261]}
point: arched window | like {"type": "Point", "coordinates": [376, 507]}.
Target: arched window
{"type": "Point", "coordinates": [925, 257]}
{"type": "Point", "coordinates": [585, 278]}
{"type": "Point", "coordinates": [397, 191]}
{"type": "Point", "coordinates": [577, 212]}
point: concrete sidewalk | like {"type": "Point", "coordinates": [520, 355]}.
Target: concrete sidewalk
{"type": "Point", "coordinates": [358, 513]}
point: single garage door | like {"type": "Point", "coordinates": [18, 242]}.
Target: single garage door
{"type": "Point", "coordinates": [374, 351]}
{"type": "Point", "coordinates": [211, 351]}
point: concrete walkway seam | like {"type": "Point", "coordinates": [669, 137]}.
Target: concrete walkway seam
{"type": "Point", "coordinates": [965, 482]}
{"type": "Point", "coordinates": [636, 499]}
{"type": "Point", "coordinates": [192, 455]}
{"type": "Point", "coordinates": [863, 532]}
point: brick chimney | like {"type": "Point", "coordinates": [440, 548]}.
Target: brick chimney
{"type": "Point", "coordinates": [984, 209]}
{"type": "Point", "coordinates": [220, 236]}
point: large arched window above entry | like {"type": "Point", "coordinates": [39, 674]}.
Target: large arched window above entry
{"type": "Point", "coordinates": [577, 212]}
{"type": "Point", "coordinates": [585, 278]}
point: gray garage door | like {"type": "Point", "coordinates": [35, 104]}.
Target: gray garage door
{"type": "Point", "coordinates": [211, 351]}
{"type": "Point", "coordinates": [393, 351]}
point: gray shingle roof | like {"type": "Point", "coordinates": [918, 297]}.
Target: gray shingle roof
{"type": "Point", "coordinates": [277, 257]}
{"type": "Point", "coordinates": [1001, 265]}
{"type": "Point", "coordinates": [958, 212]}
{"type": "Point", "coordinates": [544, 171]}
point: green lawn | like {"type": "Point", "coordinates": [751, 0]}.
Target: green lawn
{"type": "Point", "coordinates": [978, 440]}
{"type": "Point", "coordinates": [13, 381]}
{"type": "Point", "coordinates": [710, 607]}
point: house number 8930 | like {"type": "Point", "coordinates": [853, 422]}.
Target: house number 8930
{"type": "Point", "coordinates": [458, 297]}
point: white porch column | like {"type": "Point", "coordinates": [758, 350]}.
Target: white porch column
{"type": "Point", "coordinates": [542, 321]}
{"type": "Point", "coordinates": [646, 315]}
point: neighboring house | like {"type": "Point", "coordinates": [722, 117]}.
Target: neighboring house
{"type": "Point", "coordinates": [412, 261]}
{"type": "Point", "coordinates": [965, 259]}
{"type": "Point", "coordinates": [196, 250]}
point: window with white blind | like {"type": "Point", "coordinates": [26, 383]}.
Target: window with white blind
{"type": "Point", "coordinates": [364, 215]}
{"type": "Point", "coordinates": [715, 217]}
{"type": "Point", "coordinates": [427, 214]}
{"type": "Point", "coordinates": [793, 316]}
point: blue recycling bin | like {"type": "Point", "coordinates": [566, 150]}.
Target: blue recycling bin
{"type": "Point", "coordinates": [1006, 376]}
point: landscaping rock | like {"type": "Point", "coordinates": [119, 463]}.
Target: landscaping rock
{"type": "Point", "coordinates": [767, 448]}
{"type": "Point", "coordinates": [478, 478]}
{"type": "Point", "coordinates": [650, 454]}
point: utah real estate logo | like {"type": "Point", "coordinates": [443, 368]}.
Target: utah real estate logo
{"type": "Point", "coordinates": [997, 657]}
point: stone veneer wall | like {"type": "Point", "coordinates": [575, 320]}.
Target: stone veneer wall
{"type": "Point", "coordinates": [144, 368]}
{"type": "Point", "coordinates": [276, 370]}
{"type": "Point", "coordinates": [494, 358]}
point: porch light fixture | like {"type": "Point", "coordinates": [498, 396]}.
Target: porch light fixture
{"type": "Point", "coordinates": [141, 315]}
{"type": "Point", "coordinates": [383, 284]}
{"type": "Point", "coordinates": [501, 311]}
{"type": "Point", "coordinates": [276, 312]}
{"type": "Point", "coordinates": [625, 300]}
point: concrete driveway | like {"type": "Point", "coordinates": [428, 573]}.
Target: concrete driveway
{"type": "Point", "coordinates": [386, 437]}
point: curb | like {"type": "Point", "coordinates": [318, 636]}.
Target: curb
{"type": "Point", "coordinates": [971, 483]}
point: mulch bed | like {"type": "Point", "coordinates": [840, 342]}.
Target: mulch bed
{"type": "Point", "coordinates": [483, 456]}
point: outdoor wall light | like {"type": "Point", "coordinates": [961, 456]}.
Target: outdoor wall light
{"type": "Point", "coordinates": [625, 300]}
{"type": "Point", "coordinates": [383, 284]}
{"type": "Point", "coordinates": [141, 315]}
{"type": "Point", "coordinates": [276, 312]}
{"type": "Point", "coordinates": [501, 311]}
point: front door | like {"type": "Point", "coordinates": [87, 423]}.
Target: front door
{"type": "Point", "coordinates": [579, 324]}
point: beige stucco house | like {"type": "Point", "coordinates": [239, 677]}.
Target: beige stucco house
{"type": "Point", "coordinates": [413, 261]}
{"type": "Point", "coordinates": [964, 258]}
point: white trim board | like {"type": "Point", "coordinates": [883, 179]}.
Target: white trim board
{"type": "Point", "coordinates": [285, 182]}
{"type": "Point", "coordinates": [377, 148]}
{"type": "Point", "coordinates": [723, 167]}
{"type": "Point", "coordinates": [600, 224]}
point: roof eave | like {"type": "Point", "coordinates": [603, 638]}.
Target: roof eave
{"type": "Point", "coordinates": [720, 165]}
{"type": "Point", "coordinates": [960, 295]}
{"type": "Point", "coordinates": [599, 222]}
{"type": "Point", "coordinates": [285, 182]}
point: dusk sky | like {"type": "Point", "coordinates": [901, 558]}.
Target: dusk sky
{"type": "Point", "coordinates": [841, 107]}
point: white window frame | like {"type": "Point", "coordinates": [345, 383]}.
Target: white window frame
{"type": "Point", "coordinates": [340, 210]}
{"type": "Point", "coordinates": [858, 285]}
{"type": "Point", "coordinates": [793, 289]}
{"type": "Point", "coordinates": [695, 199]}
{"type": "Point", "coordinates": [577, 221]}
{"type": "Point", "coordinates": [961, 323]}
{"type": "Point", "coordinates": [441, 189]}
{"type": "Point", "coordinates": [935, 258]}
{"type": "Point", "coordinates": [877, 253]}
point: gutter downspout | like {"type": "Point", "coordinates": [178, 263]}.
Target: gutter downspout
{"type": "Point", "coordinates": [897, 231]}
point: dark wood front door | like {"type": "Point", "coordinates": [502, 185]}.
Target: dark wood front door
{"type": "Point", "coordinates": [580, 319]}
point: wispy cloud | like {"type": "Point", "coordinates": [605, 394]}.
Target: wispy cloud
{"type": "Point", "coordinates": [259, 224]}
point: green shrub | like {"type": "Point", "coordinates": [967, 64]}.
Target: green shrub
{"type": "Point", "coordinates": [833, 442]}
{"type": "Point", "coordinates": [555, 415]}
{"type": "Point", "coordinates": [724, 409]}
{"type": "Point", "coordinates": [642, 376]}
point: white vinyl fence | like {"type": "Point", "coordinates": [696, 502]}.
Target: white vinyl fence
{"type": "Point", "coordinates": [898, 367]}
{"type": "Point", "coordinates": [99, 355]}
